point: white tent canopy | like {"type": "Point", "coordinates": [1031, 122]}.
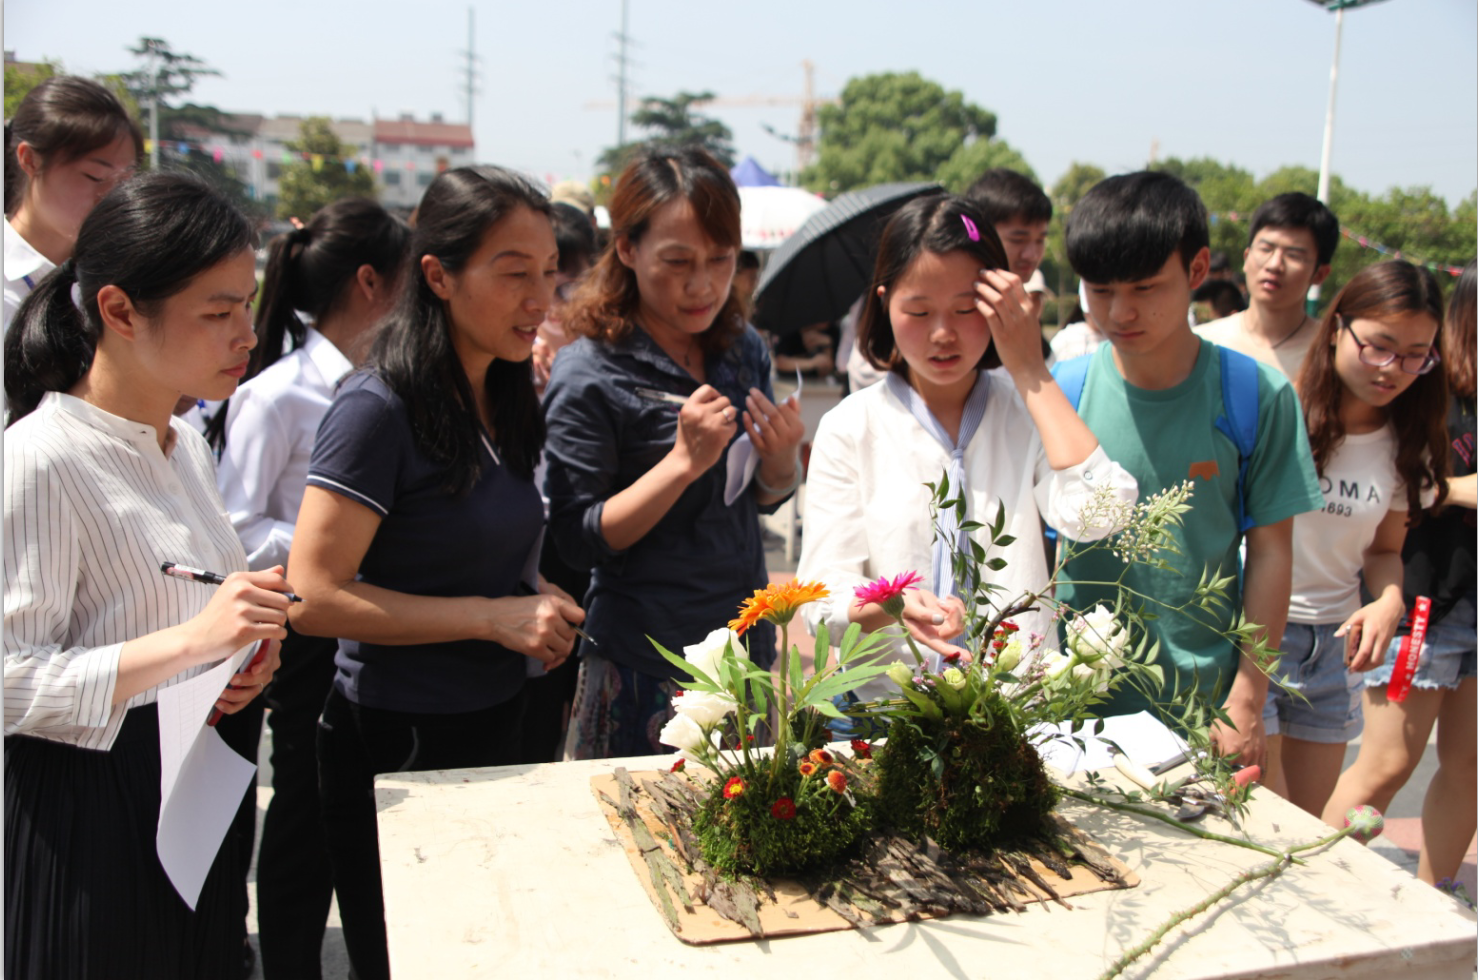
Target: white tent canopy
{"type": "Point", "coordinates": [770, 215]}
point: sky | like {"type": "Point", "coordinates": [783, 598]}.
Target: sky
{"type": "Point", "coordinates": [1241, 81]}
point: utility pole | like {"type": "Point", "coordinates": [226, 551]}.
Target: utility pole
{"type": "Point", "coordinates": [470, 68]}
{"type": "Point", "coordinates": [621, 63]}
{"type": "Point", "coordinates": [153, 55]}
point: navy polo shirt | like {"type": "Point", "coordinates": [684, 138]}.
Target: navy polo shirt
{"type": "Point", "coordinates": [429, 543]}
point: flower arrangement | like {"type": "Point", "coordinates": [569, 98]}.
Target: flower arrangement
{"type": "Point", "coordinates": [791, 807]}
{"type": "Point", "coordinates": [961, 766]}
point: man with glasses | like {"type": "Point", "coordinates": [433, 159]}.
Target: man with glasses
{"type": "Point", "coordinates": [1289, 249]}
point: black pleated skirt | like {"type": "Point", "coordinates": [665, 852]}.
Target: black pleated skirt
{"type": "Point", "coordinates": [85, 894]}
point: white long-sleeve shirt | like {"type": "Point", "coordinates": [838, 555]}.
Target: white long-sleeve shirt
{"type": "Point", "coordinates": [272, 422]}
{"type": "Point", "coordinates": [92, 506]}
{"type": "Point", "coordinates": [24, 269]}
{"type": "Point", "coordinates": [867, 509]}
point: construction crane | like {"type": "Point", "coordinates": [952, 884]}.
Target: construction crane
{"type": "Point", "coordinates": [805, 138]}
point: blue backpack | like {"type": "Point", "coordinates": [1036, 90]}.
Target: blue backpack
{"type": "Point", "coordinates": [1238, 422]}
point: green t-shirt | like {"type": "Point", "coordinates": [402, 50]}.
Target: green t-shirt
{"type": "Point", "coordinates": [1167, 437]}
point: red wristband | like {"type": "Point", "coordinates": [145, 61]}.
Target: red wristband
{"type": "Point", "coordinates": [1404, 669]}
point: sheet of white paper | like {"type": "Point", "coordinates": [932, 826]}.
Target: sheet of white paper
{"type": "Point", "coordinates": [1142, 737]}
{"type": "Point", "coordinates": [195, 781]}
{"type": "Point", "coordinates": [195, 819]}
{"type": "Point", "coordinates": [741, 464]}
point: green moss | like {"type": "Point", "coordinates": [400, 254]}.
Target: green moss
{"type": "Point", "coordinates": [964, 783]}
{"type": "Point", "coordinates": [743, 835]}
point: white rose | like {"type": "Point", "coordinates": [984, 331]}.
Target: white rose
{"type": "Point", "coordinates": [683, 734]}
{"type": "Point", "coordinates": [955, 678]}
{"type": "Point", "coordinates": [900, 673]}
{"type": "Point", "coordinates": [1098, 638]}
{"type": "Point", "coordinates": [706, 655]}
{"type": "Point", "coordinates": [706, 710]}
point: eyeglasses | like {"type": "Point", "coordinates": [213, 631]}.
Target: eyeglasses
{"type": "Point", "coordinates": [1377, 356]}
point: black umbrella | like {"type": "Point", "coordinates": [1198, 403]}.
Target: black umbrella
{"type": "Point", "coordinates": [821, 270]}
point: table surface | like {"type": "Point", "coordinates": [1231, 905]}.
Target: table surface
{"type": "Point", "coordinates": [514, 871]}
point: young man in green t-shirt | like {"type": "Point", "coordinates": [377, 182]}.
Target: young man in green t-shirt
{"type": "Point", "coordinates": [1152, 396]}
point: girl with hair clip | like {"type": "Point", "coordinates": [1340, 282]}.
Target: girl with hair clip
{"type": "Point", "coordinates": [101, 486]}
{"type": "Point", "coordinates": [642, 411]}
{"type": "Point", "coordinates": [1438, 564]}
{"type": "Point", "coordinates": [69, 142]}
{"type": "Point", "coordinates": [1373, 405]}
{"type": "Point", "coordinates": [341, 270]}
{"type": "Point", "coordinates": [942, 313]}
{"type": "Point", "coordinates": [419, 521]}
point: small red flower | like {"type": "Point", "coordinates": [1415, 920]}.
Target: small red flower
{"type": "Point", "coordinates": [998, 645]}
{"type": "Point", "coordinates": [678, 765]}
{"type": "Point", "coordinates": [807, 768]}
{"type": "Point", "coordinates": [784, 808]}
{"type": "Point", "coordinates": [822, 757]}
{"type": "Point", "coordinates": [1010, 627]}
{"type": "Point", "coordinates": [837, 780]}
{"type": "Point", "coordinates": [861, 749]}
{"type": "Point", "coordinates": [679, 693]}
{"type": "Point", "coordinates": [953, 657]}
{"type": "Point", "coordinates": [734, 787]}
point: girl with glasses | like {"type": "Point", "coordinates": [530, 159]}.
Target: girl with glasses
{"type": "Point", "coordinates": [1374, 410]}
{"type": "Point", "coordinates": [1439, 564]}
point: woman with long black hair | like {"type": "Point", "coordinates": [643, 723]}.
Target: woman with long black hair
{"type": "Point", "coordinates": [102, 484]}
{"type": "Point", "coordinates": [420, 522]}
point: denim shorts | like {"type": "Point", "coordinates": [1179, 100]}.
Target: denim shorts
{"type": "Point", "coordinates": [1447, 657]}
{"type": "Point", "coordinates": [1313, 664]}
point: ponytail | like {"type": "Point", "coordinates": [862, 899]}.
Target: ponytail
{"type": "Point", "coordinates": [309, 270]}
{"type": "Point", "coordinates": [149, 237]}
{"type": "Point", "coordinates": [51, 343]}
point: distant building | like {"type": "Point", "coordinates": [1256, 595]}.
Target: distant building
{"type": "Point", "coordinates": [405, 155]}
{"type": "Point", "coordinates": [408, 155]}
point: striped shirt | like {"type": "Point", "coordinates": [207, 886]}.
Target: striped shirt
{"type": "Point", "coordinates": [92, 506]}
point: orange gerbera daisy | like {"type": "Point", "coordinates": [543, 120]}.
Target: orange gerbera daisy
{"type": "Point", "coordinates": [776, 603]}
{"type": "Point", "coordinates": [837, 781]}
{"type": "Point", "coordinates": [734, 787]}
{"type": "Point", "coordinates": [807, 768]}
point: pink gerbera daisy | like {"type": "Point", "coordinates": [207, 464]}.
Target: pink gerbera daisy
{"type": "Point", "coordinates": [887, 592]}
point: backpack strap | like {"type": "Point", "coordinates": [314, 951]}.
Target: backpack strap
{"type": "Point", "coordinates": [1071, 376]}
{"type": "Point", "coordinates": [1238, 421]}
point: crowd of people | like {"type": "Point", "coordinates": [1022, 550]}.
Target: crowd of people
{"type": "Point", "coordinates": [494, 461]}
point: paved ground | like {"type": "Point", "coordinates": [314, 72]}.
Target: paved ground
{"type": "Point", "coordinates": [1400, 843]}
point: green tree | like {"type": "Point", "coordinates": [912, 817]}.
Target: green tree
{"type": "Point", "coordinates": [20, 79]}
{"type": "Point", "coordinates": [895, 127]}
{"type": "Point", "coordinates": [324, 177]}
{"type": "Point", "coordinates": [164, 74]}
{"type": "Point", "coordinates": [974, 158]}
{"type": "Point", "coordinates": [672, 122]}
{"type": "Point", "coordinates": [1076, 181]}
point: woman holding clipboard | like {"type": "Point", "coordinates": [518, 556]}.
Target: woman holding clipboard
{"type": "Point", "coordinates": [102, 485]}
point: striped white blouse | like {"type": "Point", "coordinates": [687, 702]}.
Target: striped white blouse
{"type": "Point", "coordinates": [92, 506]}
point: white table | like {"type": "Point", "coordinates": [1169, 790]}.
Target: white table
{"type": "Point", "coordinates": [514, 872]}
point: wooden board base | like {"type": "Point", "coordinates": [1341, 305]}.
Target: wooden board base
{"type": "Point", "coordinates": [690, 898]}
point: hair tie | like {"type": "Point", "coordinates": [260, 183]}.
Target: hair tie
{"type": "Point", "coordinates": [76, 293]}
{"type": "Point", "coordinates": [970, 228]}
